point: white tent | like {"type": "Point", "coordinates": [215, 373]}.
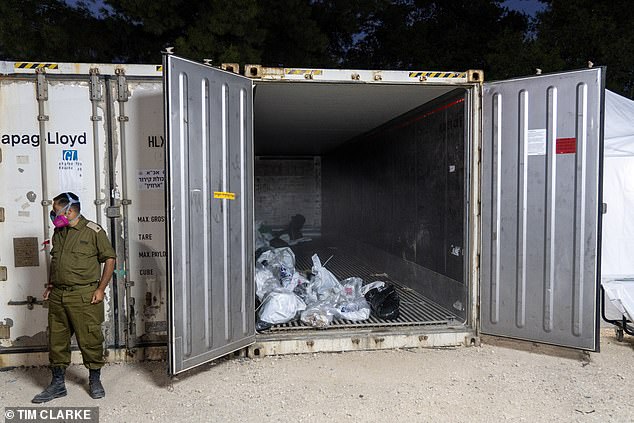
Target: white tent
{"type": "Point", "coordinates": [617, 258]}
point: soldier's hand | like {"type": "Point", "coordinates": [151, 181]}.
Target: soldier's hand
{"type": "Point", "coordinates": [97, 296]}
{"type": "Point", "coordinates": [46, 293]}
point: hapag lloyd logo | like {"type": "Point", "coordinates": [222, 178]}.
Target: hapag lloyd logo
{"type": "Point", "coordinates": [52, 138]}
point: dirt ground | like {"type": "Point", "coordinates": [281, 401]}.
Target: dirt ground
{"type": "Point", "coordinates": [499, 381]}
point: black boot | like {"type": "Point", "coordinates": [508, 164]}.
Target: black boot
{"type": "Point", "coordinates": [94, 383]}
{"type": "Point", "coordinates": [56, 389]}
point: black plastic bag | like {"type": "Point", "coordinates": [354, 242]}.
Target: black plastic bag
{"type": "Point", "coordinates": [384, 302]}
{"type": "Point", "coordinates": [261, 325]}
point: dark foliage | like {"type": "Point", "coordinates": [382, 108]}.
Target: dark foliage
{"type": "Point", "coordinates": [379, 34]}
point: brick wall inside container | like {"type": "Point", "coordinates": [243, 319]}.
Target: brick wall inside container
{"type": "Point", "coordinates": [286, 187]}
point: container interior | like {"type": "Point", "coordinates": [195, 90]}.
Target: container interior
{"type": "Point", "coordinates": [378, 172]}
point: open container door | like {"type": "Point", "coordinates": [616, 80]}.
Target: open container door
{"type": "Point", "coordinates": [209, 195]}
{"type": "Point", "coordinates": [541, 164]}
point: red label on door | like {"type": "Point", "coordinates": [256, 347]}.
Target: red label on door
{"type": "Point", "coordinates": [566, 145]}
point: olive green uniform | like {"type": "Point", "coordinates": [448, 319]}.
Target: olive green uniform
{"type": "Point", "coordinates": [77, 255]}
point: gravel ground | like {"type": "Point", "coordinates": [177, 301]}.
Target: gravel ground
{"type": "Point", "coordinates": [502, 380]}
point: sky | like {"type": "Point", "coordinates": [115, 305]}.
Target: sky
{"type": "Point", "coordinates": [530, 7]}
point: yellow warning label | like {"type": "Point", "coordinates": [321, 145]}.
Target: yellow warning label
{"type": "Point", "coordinates": [28, 65]}
{"type": "Point", "coordinates": [159, 68]}
{"type": "Point", "coordinates": [225, 195]}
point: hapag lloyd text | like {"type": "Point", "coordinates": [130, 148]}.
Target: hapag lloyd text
{"type": "Point", "coordinates": [52, 138]}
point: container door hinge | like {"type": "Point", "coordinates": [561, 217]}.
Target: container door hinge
{"type": "Point", "coordinates": [29, 302]}
{"type": "Point", "coordinates": [95, 87]}
{"type": "Point", "coordinates": [113, 212]}
{"type": "Point", "coordinates": [41, 91]}
{"type": "Point", "coordinates": [96, 93]}
{"type": "Point", "coordinates": [122, 94]}
{"type": "Point", "coordinates": [1, 214]}
{"type": "Point", "coordinates": [5, 328]}
{"type": "Point", "coordinates": [122, 86]}
{"type": "Point", "coordinates": [604, 208]}
{"type": "Point", "coordinates": [3, 273]}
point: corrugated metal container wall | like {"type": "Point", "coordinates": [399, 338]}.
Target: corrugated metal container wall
{"type": "Point", "coordinates": [541, 199]}
{"type": "Point", "coordinates": [99, 130]}
{"type": "Point", "coordinates": [139, 144]}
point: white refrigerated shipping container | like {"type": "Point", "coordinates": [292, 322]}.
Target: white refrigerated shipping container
{"type": "Point", "coordinates": [479, 201]}
{"type": "Point", "coordinates": [84, 129]}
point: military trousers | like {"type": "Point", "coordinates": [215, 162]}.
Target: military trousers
{"type": "Point", "coordinates": [70, 312]}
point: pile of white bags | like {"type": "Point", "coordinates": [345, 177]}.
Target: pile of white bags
{"type": "Point", "coordinates": [286, 294]}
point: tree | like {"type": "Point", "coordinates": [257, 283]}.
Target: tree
{"type": "Point", "coordinates": [343, 22]}
{"type": "Point", "coordinates": [575, 32]}
{"type": "Point", "coordinates": [441, 35]}
{"type": "Point", "coordinates": [380, 34]}
{"type": "Point", "coordinates": [52, 30]}
{"type": "Point", "coordinates": [200, 29]}
{"type": "Point", "coordinates": [271, 32]}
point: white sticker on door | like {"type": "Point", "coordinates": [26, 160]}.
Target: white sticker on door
{"type": "Point", "coordinates": [150, 179]}
{"type": "Point", "coordinates": [537, 142]}
{"type": "Point", "coordinates": [70, 174]}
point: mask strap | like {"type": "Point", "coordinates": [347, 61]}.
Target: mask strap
{"type": "Point", "coordinates": [66, 208]}
{"type": "Point", "coordinates": [70, 199]}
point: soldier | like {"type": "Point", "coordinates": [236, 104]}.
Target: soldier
{"type": "Point", "coordinates": [75, 294]}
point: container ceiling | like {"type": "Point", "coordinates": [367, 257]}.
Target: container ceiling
{"type": "Point", "coordinates": [311, 118]}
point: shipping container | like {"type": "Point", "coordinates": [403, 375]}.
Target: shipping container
{"type": "Point", "coordinates": [96, 130]}
{"type": "Point", "coordinates": [479, 201]}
